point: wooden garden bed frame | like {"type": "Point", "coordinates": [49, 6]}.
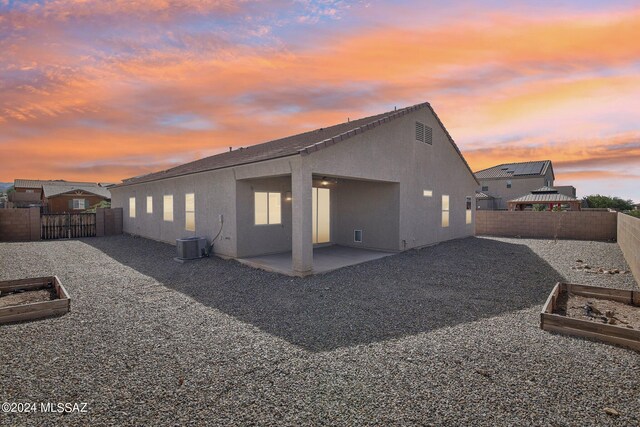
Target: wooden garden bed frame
{"type": "Point", "coordinates": [35, 310]}
{"type": "Point", "coordinates": [585, 328]}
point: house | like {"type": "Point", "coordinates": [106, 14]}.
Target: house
{"type": "Point", "coordinates": [546, 197]}
{"type": "Point", "coordinates": [390, 182]}
{"type": "Point", "coordinates": [28, 192]}
{"type": "Point", "coordinates": [58, 196]}
{"type": "Point", "coordinates": [511, 180]}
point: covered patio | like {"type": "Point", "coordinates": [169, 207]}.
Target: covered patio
{"type": "Point", "coordinates": [325, 259]}
{"type": "Point", "coordinates": [307, 223]}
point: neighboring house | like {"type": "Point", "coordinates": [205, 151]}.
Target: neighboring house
{"type": "Point", "coordinates": [511, 180]}
{"type": "Point", "coordinates": [389, 182]}
{"type": "Point", "coordinates": [58, 196]}
{"type": "Point", "coordinates": [548, 197]}
{"type": "Point", "coordinates": [28, 192]}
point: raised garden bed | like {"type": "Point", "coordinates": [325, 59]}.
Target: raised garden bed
{"type": "Point", "coordinates": [605, 314]}
{"type": "Point", "coordinates": [34, 298]}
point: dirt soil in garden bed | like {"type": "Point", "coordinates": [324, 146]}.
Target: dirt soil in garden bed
{"type": "Point", "coordinates": [598, 310]}
{"type": "Point", "coordinates": [27, 297]}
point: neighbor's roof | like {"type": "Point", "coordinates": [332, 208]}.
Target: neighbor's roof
{"type": "Point", "coordinates": [56, 188]}
{"type": "Point", "coordinates": [508, 170]}
{"type": "Point", "coordinates": [304, 143]}
{"type": "Point", "coordinates": [37, 183]}
{"type": "Point", "coordinates": [480, 195]}
{"type": "Point", "coordinates": [544, 198]}
{"type": "Point", "coordinates": [28, 183]}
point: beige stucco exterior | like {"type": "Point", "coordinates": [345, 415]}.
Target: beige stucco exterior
{"type": "Point", "coordinates": [377, 183]}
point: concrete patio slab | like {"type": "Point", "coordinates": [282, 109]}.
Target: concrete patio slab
{"type": "Point", "coordinates": [325, 259]}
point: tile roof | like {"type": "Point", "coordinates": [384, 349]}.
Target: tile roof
{"type": "Point", "coordinates": [544, 198]}
{"type": "Point", "coordinates": [37, 183]}
{"type": "Point", "coordinates": [301, 144]}
{"type": "Point", "coordinates": [508, 170]}
{"type": "Point", "coordinates": [51, 189]}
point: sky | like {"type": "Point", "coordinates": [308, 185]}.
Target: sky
{"type": "Point", "coordinates": [100, 90]}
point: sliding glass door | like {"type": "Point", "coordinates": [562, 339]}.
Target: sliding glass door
{"type": "Point", "coordinates": [321, 215]}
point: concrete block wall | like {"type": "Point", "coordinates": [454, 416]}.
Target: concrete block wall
{"type": "Point", "coordinates": [19, 224]}
{"type": "Point", "coordinates": [578, 225]}
{"type": "Point", "coordinates": [629, 241]}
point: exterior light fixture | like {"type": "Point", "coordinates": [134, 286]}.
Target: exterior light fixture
{"type": "Point", "coordinates": [287, 196]}
{"type": "Point", "coordinates": [324, 181]}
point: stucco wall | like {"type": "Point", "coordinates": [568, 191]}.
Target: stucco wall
{"type": "Point", "coordinates": [576, 225]}
{"type": "Point", "coordinates": [262, 239]}
{"type": "Point", "coordinates": [372, 207]}
{"type": "Point", "coordinates": [629, 241]}
{"type": "Point", "coordinates": [214, 196]}
{"type": "Point", "coordinates": [390, 153]}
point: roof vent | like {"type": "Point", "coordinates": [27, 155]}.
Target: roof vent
{"type": "Point", "coordinates": [419, 132]}
{"type": "Point", "coordinates": [428, 135]}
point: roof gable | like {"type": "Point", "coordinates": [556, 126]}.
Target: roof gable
{"type": "Point", "coordinates": [58, 188]}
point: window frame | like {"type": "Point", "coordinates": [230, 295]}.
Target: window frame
{"type": "Point", "coordinates": [149, 204]}
{"type": "Point", "coordinates": [509, 183]}
{"type": "Point", "coordinates": [132, 206]}
{"type": "Point", "coordinates": [165, 216]}
{"type": "Point", "coordinates": [190, 214]}
{"type": "Point", "coordinates": [446, 208]}
{"type": "Point", "coordinates": [469, 210]}
{"type": "Point", "coordinates": [485, 188]}
{"type": "Point", "coordinates": [269, 196]}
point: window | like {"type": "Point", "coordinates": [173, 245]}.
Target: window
{"type": "Point", "coordinates": [424, 133]}
{"type": "Point", "coordinates": [357, 236]}
{"type": "Point", "coordinates": [149, 204]}
{"type": "Point", "coordinates": [427, 193]}
{"type": "Point", "coordinates": [132, 206]}
{"type": "Point", "coordinates": [485, 188]}
{"type": "Point", "coordinates": [469, 217]}
{"type": "Point", "coordinates": [168, 207]}
{"type": "Point", "coordinates": [445, 210]}
{"type": "Point", "coordinates": [190, 212]}
{"type": "Point", "coordinates": [509, 184]}
{"type": "Point", "coordinates": [267, 208]}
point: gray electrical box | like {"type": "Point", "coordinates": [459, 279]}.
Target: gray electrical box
{"type": "Point", "coordinates": [191, 247]}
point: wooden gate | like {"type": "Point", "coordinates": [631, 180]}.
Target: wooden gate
{"type": "Point", "coordinates": [68, 226]}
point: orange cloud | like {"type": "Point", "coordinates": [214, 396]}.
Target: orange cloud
{"type": "Point", "coordinates": [509, 87]}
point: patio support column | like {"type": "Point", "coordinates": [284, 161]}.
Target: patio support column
{"type": "Point", "coordinates": [301, 233]}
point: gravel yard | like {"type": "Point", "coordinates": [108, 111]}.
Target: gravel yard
{"type": "Point", "coordinates": [443, 335]}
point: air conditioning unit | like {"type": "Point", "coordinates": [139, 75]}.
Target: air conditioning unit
{"type": "Point", "coordinates": [191, 248]}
